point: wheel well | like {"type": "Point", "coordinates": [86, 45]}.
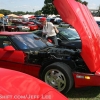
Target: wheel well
{"type": "Point", "coordinates": [44, 64]}
{"type": "Point", "coordinates": [66, 70]}
{"type": "Point", "coordinates": [49, 62]}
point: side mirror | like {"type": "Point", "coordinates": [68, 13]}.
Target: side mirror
{"type": "Point", "coordinates": [9, 48]}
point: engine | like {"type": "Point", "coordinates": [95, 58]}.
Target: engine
{"type": "Point", "coordinates": [49, 53]}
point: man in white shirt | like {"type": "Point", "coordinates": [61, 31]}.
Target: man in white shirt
{"type": "Point", "coordinates": [50, 30]}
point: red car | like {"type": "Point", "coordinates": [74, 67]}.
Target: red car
{"type": "Point", "coordinates": [8, 28]}
{"type": "Point", "coordinates": [32, 27]}
{"type": "Point", "coordinates": [19, 86]}
{"type": "Point", "coordinates": [40, 26]}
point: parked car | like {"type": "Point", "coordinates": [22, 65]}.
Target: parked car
{"type": "Point", "coordinates": [32, 27]}
{"type": "Point", "coordinates": [40, 26]}
{"type": "Point", "coordinates": [51, 20]}
{"type": "Point", "coordinates": [57, 20]}
{"type": "Point", "coordinates": [16, 85]}
{"type": "Point", "coordinates": [22, 27]}
{"type": "Point", "coordinates": [9, 28]}
{"type": "Point", "coordinates": [63, 24]}
{"type": "Point", "coordinates": [67, 37]}
{"type": "Point", "coordinates": [25, 52]}
{"type": "Point", "coordinates": [54, 20]}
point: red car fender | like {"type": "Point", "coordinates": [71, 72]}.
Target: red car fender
{"type": "Point", "coordinates": [16, 85]}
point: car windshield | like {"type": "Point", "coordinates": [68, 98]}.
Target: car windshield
{"type": "Point", "coordinates": [29, 42]}
{"type": "Point", "coordinates": [98, 22]}
{"type": "Point", "coordinates": [70, 34]}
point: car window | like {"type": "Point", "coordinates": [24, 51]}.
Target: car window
{"type": "Point", "coordinates": [98, 22]}
{"type": "Point", "coordinates": [70, 34]}
{"type": "Point", "coordinates": [38, 33]}
{"type": "Point", "coordinates": [60, 36]}
{"type": "Point", "coordinates": [4, 41]}
{"type": "Point", "coordinates": [28, 42]}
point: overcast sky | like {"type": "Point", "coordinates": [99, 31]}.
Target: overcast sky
{"type": "Point", "coordinates": [34, 5]}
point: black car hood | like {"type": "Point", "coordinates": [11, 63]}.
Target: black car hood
{"type": "Point", "coordinates": [76, 44]}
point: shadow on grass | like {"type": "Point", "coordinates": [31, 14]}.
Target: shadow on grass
{"type": "Point", "coordinates": [87, 93]}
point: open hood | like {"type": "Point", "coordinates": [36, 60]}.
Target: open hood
{"type": "Point", "coordinates": [81, 19]}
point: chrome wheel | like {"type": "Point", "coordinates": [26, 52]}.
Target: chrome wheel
{"type": "Point", "coordinates": [56, 79]}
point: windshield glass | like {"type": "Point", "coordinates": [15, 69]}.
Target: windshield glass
{"type": "Point", "coordinates": [29, 41]}
{"type": "Point", "coordinates": [98, 22]}
{"type": "Point", "coordinates": [70, 34]}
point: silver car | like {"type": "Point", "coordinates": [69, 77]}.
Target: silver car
{"type": "Point", "coordinates": [21, 27]}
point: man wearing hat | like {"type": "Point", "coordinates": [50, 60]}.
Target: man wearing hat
{"type": "Point", "coordinates": [50, 30]}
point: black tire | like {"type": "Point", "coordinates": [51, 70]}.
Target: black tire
{"type": "Point", "coordinates": [58, 75]}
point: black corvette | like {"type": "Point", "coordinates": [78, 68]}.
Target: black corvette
{"type": "Point", "coordinates": [67, 38]}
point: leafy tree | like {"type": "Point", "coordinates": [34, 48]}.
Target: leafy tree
{"type": "Point", "coordinates": [39, 12]}
{"type": "Point", "coordinates": [79, 1]}
{"type": "Point", "coordinates": [19, 13]}
{"type": "Point", "coordinates": [83, 2]}
{"type": "Point", "coordinates": [47, 1]}
{"type": "Point", "coordinates": [49, 8]}
{"type": "Point", "coordinates": [5, 12]}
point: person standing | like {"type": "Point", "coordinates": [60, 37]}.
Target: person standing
{"type": "Point", "coordinates": [49, 30]}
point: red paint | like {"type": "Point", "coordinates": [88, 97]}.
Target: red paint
{"type": "Point", "coordinates": [33, 27]}
{"type": "Point", "coordinates": [80, 18]}
{"type": "Point", "coordinates": [15, 85]}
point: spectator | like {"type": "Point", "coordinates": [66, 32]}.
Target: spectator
{"type": "Point", "coordinates": [50, 30]}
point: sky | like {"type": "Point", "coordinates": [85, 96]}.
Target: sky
{"type": "Point", "coordinates": [34, 5]}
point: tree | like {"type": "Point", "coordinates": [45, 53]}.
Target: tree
{"type": "Point", "coordinates": [39, 12]}
{"type": "Point", "coordinates": [5, 12]}
{"type": "Point", "coordinates": [79, 1]}
{"type": "Point", "coordinates": [47, 1]}
{"type": "Point", "coordinates": [49, 8]}
{"type": "Point", "coordinates": [83, 2]}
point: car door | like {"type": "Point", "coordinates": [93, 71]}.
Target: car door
{"type": "Point", "coordinates": [8, 54]}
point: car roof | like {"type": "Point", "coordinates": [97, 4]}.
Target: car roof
{"type": "Point", "coordinates": [79, 16]}
{"type": "Point", "coordinates": [13, 33]}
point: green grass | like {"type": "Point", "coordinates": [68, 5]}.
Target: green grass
{"type": "Point", "coordinates": [88, 93]}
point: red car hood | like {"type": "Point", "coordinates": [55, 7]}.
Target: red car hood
{"type": "Point", "coordinates": [19, 86]}
{"type": "Point", "coordinates": [81, 19]}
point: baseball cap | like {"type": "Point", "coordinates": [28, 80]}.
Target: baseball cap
{"type": "Point", "coordinates": [42, 19]}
